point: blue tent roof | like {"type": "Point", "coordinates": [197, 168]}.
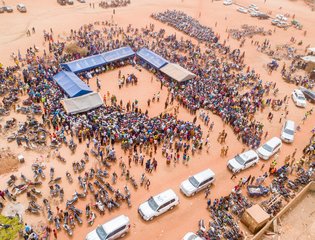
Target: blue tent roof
{"type": "Point", "coordinates": [71, 84]}
{"type": "Point", "coordinates": [117, 54]}
{"type": "Point", "coordinates": [84, 64]}
{"type": "Point", "coordinates": [152, 58]}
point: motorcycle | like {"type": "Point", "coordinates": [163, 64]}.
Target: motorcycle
{"type": "Point", "coordinates": [68, 229]}
{"type": "Point", "coordinates": [33, 210]}
{"type": "Point", "coordinates": [100, 206]}
{"type": "Point", "coordinates": [91, 218]}
{"type": "Point", "coordinates": [53, 181]}
{"type": "Point", "coordinates": [79, 195]}
{"type": "Point", "coordinates": [90, 186]}
{"type": "Point", "coordinates": [11, 181]}
{"type": "Point", "coordinates": [71, 202]}
{"type": "Point", "coordinates": [77, 217]}
{"type": "Point", "coordinates": [57, 223]}
{"type": "Point", "coordinates": [50, 215]}
{"type": "Point", "coordinates": [46, 204]}
{"type": "Point", "coordinates": [62, 159]}
{"type": "Point", "coordinates": [69, 177]}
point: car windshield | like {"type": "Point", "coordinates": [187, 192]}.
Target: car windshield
{"type": "Point", "coordinates": [101, 233]}
{"type": "Point", "coordinates": [153, 204]}
{"type": "Point", "coordinates": [289, 131]}
{"type": "Point", "coordinates": [192, 237]}
{"type": "Point", "coordinates": [239, 159]}
{"type": "Point", "coordinates": [267, 147]}
{"type": "Point", "coordinates": [301, 97]}
{"type": "Point", "coordinates": [193, 181]}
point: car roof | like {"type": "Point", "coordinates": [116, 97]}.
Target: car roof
{"type": "Point", "coordinates": [248, 155]}
{"type": "Point", "coordinates": [164, 196]}
{"type": "Point", "coordinates": [115, 223]}
{"type": "Point", "coordinates": [273, 141]}
{"type": "Point", "coordinates": [289, 124]}
{"type": "Point", "coordinates": [298, 92]}
{"type": "Point", "coordinates": [205, 173]}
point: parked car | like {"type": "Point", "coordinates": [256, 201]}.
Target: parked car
{"type": "Point", "coordinates": [158, 204]}
{"type": "Point", "coordinates": [70, 2]}
{"type": "Point", "coordinates": [21, 8]}
{"type": "Point", "coordinates": [243, 161]}
{"type": "Point", "coordinates": [267, 150]}
{"type": "Point", "coordinates": [309, 94]}
{"type": "Point", "coordinates": [282, 24]}
{"type": "Point", "coordinates": [263, 16]}
{"type": "Point", "coordinates": [197, 182]}
{"type": "Point", "coordinates": [281, 17]}
{"type": "Point", "coordinates": [253, 6]}
{"type": "Point", "coordinates": [8, 9]}
{"type": "Point", "coordinates": [288, 130]}
{"type": "Point", "coordinates": [191, 236]}
{"type": "Point", "coordinates": [298, 98]}
{"type": "Point", "coordinates": [227, 2]}
{"type": "Point", "coordinates": [275, 21]}
{"type": "Point", "coordinates": [242, 10]}
{"type": "Point", "coordinates": [254, 13]}
{"type": "Point", "coordinates": [81, 1]}
{"type": "Point", "coordinates": [113, 229]}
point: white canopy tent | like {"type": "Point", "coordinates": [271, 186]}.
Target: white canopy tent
{"type": "Point", "coordinates": [177, 72]}
{"type": "Point", "coordinates": [83, 103]}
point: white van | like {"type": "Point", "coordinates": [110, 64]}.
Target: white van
{"type": "Point", "coordinates": [243, 161]}
{"type": "Point", "coordinates": [288, 130]}
{"type": "Point", "coordinates": [113, 229]}
{"type": "Point", "coordinates": [158, 204]}
{"type": "Point", "coordinates": [197, 182]}
{"type": "Point", "coordinates": [269, 148]}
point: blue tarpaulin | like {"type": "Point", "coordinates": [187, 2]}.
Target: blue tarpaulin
{"type": "Point", "coordinates": [72, 84]}
{"type": "Point", "coordinates": [118, 54]}
{"type": "Point", "coordinates": [84, 64]}
{"type": "Point", "coordinates": [152, 58]}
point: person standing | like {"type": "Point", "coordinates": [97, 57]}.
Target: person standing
{"type": "Point", "coordinates": [207, 192]}
{"type": "Point", "coordinates": [147, 184]}
{"type": "Point", "coordinates": [55, 233]}
{"type": "Point", "coordinates": [233, 176]}
{"type": "Point", "coordinates": [2, 194]}
{"type": "Point", "coordinates": [209, 203]}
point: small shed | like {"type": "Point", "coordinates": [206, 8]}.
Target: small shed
{"type": "Point", "coordinates": [310, 60]}
{"type": "Point", "coordinates": [177, 72]}
{"type": "Point", "coordinates": [83, 103]}
{"type": "Point", "coordinates": [255, 218]}
{"type": "Point", "coordinates": [71, 84]}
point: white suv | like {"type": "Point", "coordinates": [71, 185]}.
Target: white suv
{"type": "Point", "coordinates": [288, 130]}
{"type": "Point", "coordinates": [269, 148]}
{"type": "Point", "coordinates": [298, 98]}
{"type": "Point", "coordinates": [197, 182]}
{"type": "Point", "coordinates": [116, 228]}
{"type": "Point", "coordinates": [243, 161]}
{"type": "Point", "coordinates": [158, 204]}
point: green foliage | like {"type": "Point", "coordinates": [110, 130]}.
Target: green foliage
{"type": "Point", "coordinates": [12, 232]}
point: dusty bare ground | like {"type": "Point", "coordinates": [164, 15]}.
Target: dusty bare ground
{"type": "Point", "coordinates": [8, 161]}
{"type": "Point", "coordinates": [298, 223]}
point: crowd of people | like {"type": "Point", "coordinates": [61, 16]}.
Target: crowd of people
{"type": "Point", "coordinates": [114, 3]}
{"type": "Point", "coordinates": [248, 31]}
{"type": "Point", "coordinates": [221, 76]}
